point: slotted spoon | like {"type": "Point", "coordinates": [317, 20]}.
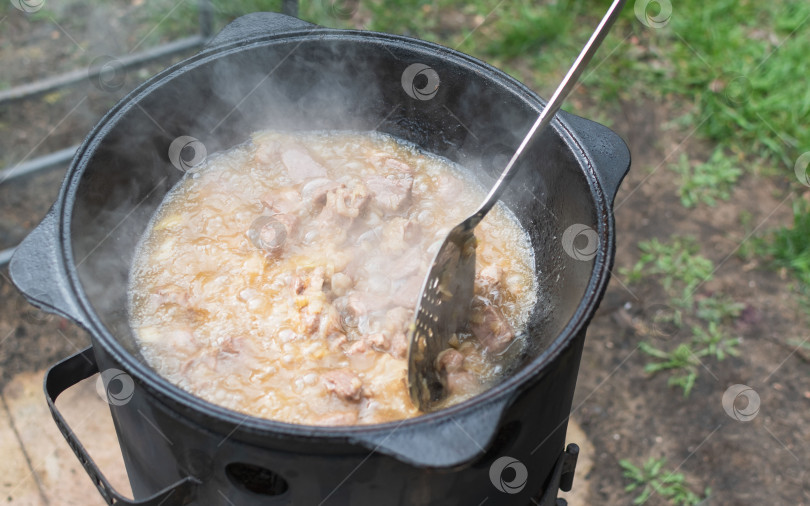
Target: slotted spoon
{"type": "Point", "coordinates": [444, 302]}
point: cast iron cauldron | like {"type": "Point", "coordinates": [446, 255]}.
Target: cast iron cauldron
{"type": "Point", "coordinates": [273, 71]}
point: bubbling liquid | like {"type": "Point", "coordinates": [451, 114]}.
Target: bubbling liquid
{"type": "Point", "coordinates": [279, 278]}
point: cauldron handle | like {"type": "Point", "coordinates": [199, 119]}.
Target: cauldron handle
{"type": "Point", "coordinates": [606, 150]}
{"type": "Point", "coordinates": [64, 375]}
{"type": "Point", "coordinates": [440, 440]}
{"type": "Point", "coordinates": [38, 271]}
{"type": "Point", "coordinates": [257, 24]}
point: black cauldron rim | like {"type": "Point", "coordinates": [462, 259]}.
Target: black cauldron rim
{"type": "Point", "coordinates": [602, 187]}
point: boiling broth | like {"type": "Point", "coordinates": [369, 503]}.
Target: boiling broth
{"type": "Point", "coordinates": [279, 278]}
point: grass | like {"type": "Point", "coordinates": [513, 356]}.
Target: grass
{"type": "Point", "coordinates": [706, 182]}
{"type": "Point", "coordinates": [799, 343]}
{"type": "Point", "coordinates": [162, 20]}
{"type": "Point", "coordinates": [789, 247]}
{"type": "Point", "coordinates": [676, 263]}
{"type": "Point", "coordinates": [680, 269]}
{"type": "Point", "coordinates": [721, 309]}
{"type": "Point", "coordinates": [711, 341]}
{"type": "Point", "coordinates": [651, 478]}
{"type": "Point", "coordinates": [683, 362]}
{"type": "Point", "coordinates": [733, 62]}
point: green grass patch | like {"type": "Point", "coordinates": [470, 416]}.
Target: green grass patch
{"type": "Point", "coordinates": [683, 362]}
{"type": "Point", "coordinates": [651, 478]}
{"type": "Point", "coordinates": [735, 63]}
{"type": "Point", "coordinates": [721, 309]}
{"type": "Point", "coordinates": [680, 269]}
{"type": "Point", "coordinates": [677, 264]}
{"type": "Point", "coordinates": [162, 20]}
{"type": "Point", "coordinates": [706, 182]}
{"type": "Point", "coordinates": [789, 247]}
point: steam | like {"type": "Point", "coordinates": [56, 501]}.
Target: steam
{"type": "Point", "coordinates": [314, 82]}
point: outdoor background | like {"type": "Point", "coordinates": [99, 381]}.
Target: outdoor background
{"type": "Point", "coordinates": [711, 285]}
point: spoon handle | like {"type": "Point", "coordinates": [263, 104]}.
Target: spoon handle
{"type": "Point", "coordinates": [552, 107]}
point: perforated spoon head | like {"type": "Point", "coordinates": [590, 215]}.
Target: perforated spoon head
{"type": "Point", "coordinates": [444, 303]}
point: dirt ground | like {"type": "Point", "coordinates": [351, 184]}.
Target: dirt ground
{"type": "Point", "coordinates": [624, 412]}
{"type": "Point", "coordinates": [627, 414]}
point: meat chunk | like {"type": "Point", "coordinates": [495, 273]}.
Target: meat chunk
{"type": "Point", "coordinates": [343, 383]}
{"type": "Point", "coordinates": [300, 165]}
{"type": "Point", "coordinates": [462, 382]}
{"type": "Point", "coordinates": [328, 220]}
{"type": "Point", "coordinates": [398, 233]}
{"type": "Point", "coordinates": [448, 188]}
{"type": "Point", "coordinates": [397, 319]}
{"type": "Point", "coordinates": [310, 282]}
{"type": "Point", "coordinates": [266, 151]}
{"type": "Point", "coordinates": [341, 205]}
{"type": "Point", "coordinates": [309, 313]}
{"type": "Point", "coordinates": [168, 294]}
{"type": "Point", "coordinates": [458, 380]}
{"type": "Point", "coordinates": [376, 340]}
{"type": "Point", "coordinates": [359, 303]}
{"type": "Point", "coordinates": [491, 328]}
{"type": "Point", "coordinates": [450, 360]}
{"type": "Point", "coordinates": [286, 200]}
{"type": "Point", "coordinates": [490, 275]}
{"type": "Point", "coordinates": [315, 191]}
{"type": "Point", "coordinates": [357, 347]}
{"type": "Point", "coordinates": [392, 190]}
{"type": "Point", "coordinates": [488, 282]}
{"type": "Point", "coordinates": [407, 264]}
{"type": "Point", "coordinates": [351, 202]}
{"type": "Point", "coordinates": [399, 345]}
